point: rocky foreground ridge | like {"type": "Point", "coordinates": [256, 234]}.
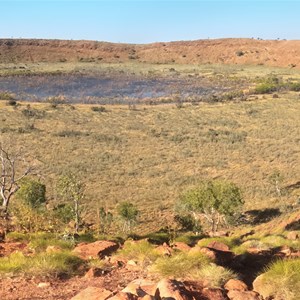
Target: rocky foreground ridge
{"type": "Point", "coordinates": [129, 279]}
{"type": "Point", "coordinates": [281, 53]}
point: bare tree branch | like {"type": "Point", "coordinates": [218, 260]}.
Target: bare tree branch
{"type": "Point", "coordinates": [10, 175]}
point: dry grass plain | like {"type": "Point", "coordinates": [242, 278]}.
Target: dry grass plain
{"type": "Point", "coordinates": [150, 154]}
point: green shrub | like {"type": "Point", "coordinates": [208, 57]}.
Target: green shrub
{"type": "Point", "coordinates": [41, 264]}
{"type": "Point", "coordinates": [63, 212]}
{"type": "Point", "coordinates": [281, 280]}
{"type": "Point", "coordinates": [33, 113]}
{"type": "Point", "coordinates": [232, 95]}
{"type": "Point", "coordinates": [41, 244]}
{"type": "Point", "coordinates": [216, 199]}
{"type": "Point", "coordinates": [189, 239]}
{"type": "Point", "coordinates": [265, 88]}
{"type": "Point", "coordinates": [26, 218]}
{"type": "Point", "coordinates": [32, 192]}
{"type": "Point", "coordinates": [294, 86]}
{"type": "Point", "coordinates": [86, 238]}
{"type": "Point", "coordinates": [11, 102]}
{"type": "Point", "coordinates": [128, 213]}
{"type": "Point", "coordinates": [231, 242]}
{"type": "Point", "coordinates": [239, 53]}
{"type": "Point", "coordinates": [98, 108]}
{"type": "Point", "coordinates": [55, 264]}
{"type": "Point", "coordinates": [275, 241]}
{"type": "Point", "coordinates": [181, 265]}
{"type": "Point", "coordinates": [14, 263]}
{"type": "Point", "coordinates": [187, 223]}
{"type": "Point", "coordinates": [141, 251]}
{"type": "Point", "coordinates": [17, 236]}
{"type": "Point", "coordinates": [158, 238]}
{"type": "Point", "coordinates": [70, 133]}
{"type": "Point", "coordinates": [216, 276]}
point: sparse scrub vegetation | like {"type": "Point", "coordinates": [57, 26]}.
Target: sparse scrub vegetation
{"type": "Point", "coordinates": [161, 154]}
{"type": "Point", "coordinates": [30, 113]}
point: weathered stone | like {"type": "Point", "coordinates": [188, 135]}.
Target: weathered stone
{"type": "Point", "coordinates": [140, 287]}
{"type": "Point", "coordinates": [117, 261]}
{"type": "Point", "coordinates": [122, 296]}
{"type": "Point", "coordinates": [171, 289]}
{"type": "Point", "coordinates": [164, 250]}
{"type": "Point", "coordinates": [204, 250]}
{"type": "Point", "coordinates": [213, 294]}
{"type": "Point", "coordinates": [181, 246]}
{"type": "Point", "coordinates": [295, 254]}
{"type": "Point", "coordinates": [243, 295]}
{"type": "Point", "coordinates": [93, 293]}
{"type": "Point", "coordinates": [93, 272]}
{"type": "Point", "coordinates": [43, 284]}
{"type": "Point", "coordinates": [218, 233]}
{"type": "Point", "coordinates": [98, 249]}
{"type": "Point", "coordinates": [147, 297]}
{"type": "Point", "coordinates": [293, 235]}
{"type": "Point", "coordinates": [215, 245]}
{"type": "Point", "coordinates": [285, 251]}
{"type": "Point", "coordinates": [262, 287]}
{"type": "Point", "coordinates": [132, 265]}
{"type": "Point", "coordinates": [235, 284]}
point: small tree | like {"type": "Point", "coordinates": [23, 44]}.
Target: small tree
{"type": "Point", "coordinates": [72, 190]}
{"type": "Point", "coordinates": [213, 200]}
{"type": "Point", "coordinates": [276, 179]}
{"type": "Point", "coordinates": [128, 213]}
{"type": "Point", "coordinates": [105, 219]}
{"type": "Point", "coordinates": [32, 192]}
{"type": "Point", "coordinates": [13, 168]}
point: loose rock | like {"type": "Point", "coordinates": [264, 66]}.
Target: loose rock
{"type": "Point", "coordinates": [98, 249]}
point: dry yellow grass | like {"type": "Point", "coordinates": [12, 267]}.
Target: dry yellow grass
{"type": "Point", "coordinates": [149, 155]}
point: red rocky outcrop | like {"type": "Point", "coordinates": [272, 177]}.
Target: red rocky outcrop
{"type": "Point", "coordinates": [98, 249]}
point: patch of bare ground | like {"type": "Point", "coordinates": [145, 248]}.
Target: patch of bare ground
{"type": "Point", "coordinates": [20, 288]}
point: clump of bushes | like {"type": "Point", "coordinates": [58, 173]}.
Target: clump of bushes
{"type": "Point", "coordinates": [98, 108]}
{"type": "Point", "coordinates": [29, 113]}
{"type": "Point", "coordinates": [6, 96]}
{"type": "Point", "coordinates": [70, 133]}
{"type": "Point", "coordinates": [274, 84]}
{"type": "Point", "coordinates": [11, 102]}
{"type": "Point", "coordinates": [265, 88]}
{"type": "Point", "coordinates": [294, 86]}
{"type": "Point", "coordinates": [239, 53]}
{"type": "Point", "coordinates": [232, 95]}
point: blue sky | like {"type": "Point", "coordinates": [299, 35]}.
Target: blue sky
{"type": "Point", "coordinates": [149, 21]}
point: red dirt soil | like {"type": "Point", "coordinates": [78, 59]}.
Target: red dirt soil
{"type": "Point", "coordinates": [224, 51]}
